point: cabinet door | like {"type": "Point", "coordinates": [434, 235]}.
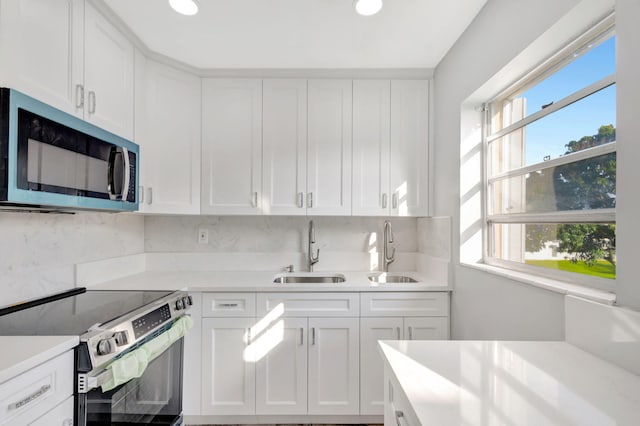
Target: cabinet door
{"type": "Point", "coordinates": [41, 50]}
{"type": "Point", "coordinates": [329, 145]}
{"type": "Point", "coordinates": [108, 75]}
{"type": "Point", "coordinates": [371, 363]}
{"type": "Point", "coordinates": [409, 147]}
{"type": "Point", "coordinates": [228, 367]}
{"type": "Point", "coordinates": [231, 146]}
{"type": "Point", "coordinates": [284, 139]}
{"type": "Point", "coordinates": [371, 115]}
{"type": "Point", "coordinates": [333, 366]}
{"type": "Point", "coordinates": [281, 369]}
{"type": "Point", "coordinates": [167, 127]}
{"type": "Point", "coordinates": [427, 328]}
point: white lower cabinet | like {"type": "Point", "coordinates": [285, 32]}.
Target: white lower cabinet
{"type": "Point", "coordinates": [387, 322]}
{"type": "Point", "coordinates": [228, 367]}
{"type": "Point", "coordinates": [333, 366]}
{"type": "Point", "coordinates": [40, 396]}
{"type": "Point", "coordinates": [281, 368]}
{"type": "Point", "coordinates": [305, 354]}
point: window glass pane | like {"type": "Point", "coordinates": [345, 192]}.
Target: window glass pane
{"type": "Point", "coordinates": [583, 185]}
{"type": "Point", "coordinates": [588, 249]}
{"type": "Point", "coordinates": [583, 124]}
{"type": "Point", "coordinates": [593, 65]}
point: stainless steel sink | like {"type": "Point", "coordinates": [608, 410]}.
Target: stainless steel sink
{"type": "Point", "coordinates": [308, 279]}
{"type": "Point", "coordinates": [390, 278]}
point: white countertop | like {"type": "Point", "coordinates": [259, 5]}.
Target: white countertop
{"type": "Point", "coordinates": [512, 383]}
{"type": "Point", "coordinates": [240, 281]}
{"type": "Point", "coordinates": [22, 353]}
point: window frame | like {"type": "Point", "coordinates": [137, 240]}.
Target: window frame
{"type": "Point", "coordinates": [601, 31]}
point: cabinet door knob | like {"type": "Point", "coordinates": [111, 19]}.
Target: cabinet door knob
{"type": "Point", "coordinates": [384, 200]}
{"type": "Point", "coordinates": [300, 199]}
{"type": "Point", "coordinates": [394, 200]}
{"type": "Point", "coordinates": [310, 199]}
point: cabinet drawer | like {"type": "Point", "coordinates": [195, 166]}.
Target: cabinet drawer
{"type": "Point", "coordinates": [309, 304]}
{"type": "Point", "coordinates": [406, 304]}
{"type": "Point", "coordinates": [30, 395]}
{"type": "Point", "coordinates": [228, 304]}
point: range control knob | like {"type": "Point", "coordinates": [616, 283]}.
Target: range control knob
{"type": "Point", "coordinates": [179, 304]}
{"type": "Point", "coordinates": [185, 302]}
{"type": "Point", "coordinates": [121, 337]}
{"type": "Point", "coordinates": [106, 346]}
{"type": "Point", "coordinates": [190, 299]}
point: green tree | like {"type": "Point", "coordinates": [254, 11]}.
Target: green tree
{"type": "Point", "coordinates": [586, 184]}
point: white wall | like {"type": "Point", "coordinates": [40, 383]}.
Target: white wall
{"type": "Point", "coordinates": [504, 40]}
{"type": "Point", "coordinates": [39, 251]}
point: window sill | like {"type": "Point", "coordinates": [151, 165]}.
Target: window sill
{"type": "Point", "coordinates": [547, 283]}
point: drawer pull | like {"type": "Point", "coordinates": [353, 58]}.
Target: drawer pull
{"type": "Point", "coordinates": [228, 305]}
{"type": "Point", "coordinates": [301, 336]}
{"type": "Point", "coordinates": [313, 335]}
{"type": "Point", "coordinates": [43, 389]}
{"type": "Point", "coordinates": [410, 333]}
{"type": "Point", "coordinates": [398, 332]}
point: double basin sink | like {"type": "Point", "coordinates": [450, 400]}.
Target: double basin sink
{"type": "Point", "coordinates": [378, 278]}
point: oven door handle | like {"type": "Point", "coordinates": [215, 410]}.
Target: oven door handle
{"type": "Point", "coordinates": [133, 364]}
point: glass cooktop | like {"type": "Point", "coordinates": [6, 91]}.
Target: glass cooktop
{"type": "Point", "coordinates": [74, 315]}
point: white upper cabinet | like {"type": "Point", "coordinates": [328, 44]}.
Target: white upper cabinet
{"type": "Point", "coordinates": [108, 75]}
{"type": "Point", "coordinates": [231, 146]}
{"type": "Point", "coordinates": [64, 53]}
{"type": "Point", "coordinates": [371, 120]}
{"type": "Point", "coordinates": [284, 139]}
{"type": "Point", "coordinates": [409, 158]}
{"type": "Point", "coordinates": [390, 147]}
{"type": "Point", "coordinates": [41, 50]}
{"type": "Point", "coordinates": [329, 147]}
{"type": "Point", "coordinates": [167, 127]}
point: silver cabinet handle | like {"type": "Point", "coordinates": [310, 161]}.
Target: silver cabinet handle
{"type": "Point", "coordinates": [410, 333]}
{"type": "Point", "coordinates": [384, 200]}
{"type": "Point", "coordinates": [301, 336]}
{"type": "Point", "coordinates": [248, 335]}
{"type": "Point", "coordinates": [228, 305]}
{"type": "Point", "coordinates": [300, 199]}
{"type": "Point", "coordinates": [254, 202]}
{"type": "Point", "coordinates": [35, 395]}
{"type": "Point", "coordinates": [150, 196]}
{"type": "Point", "coordinates": [398, 332]}
{"type": "Point", "coordinates": [310, 199]}
{"type": "Point", "coordinates": [394, 200]}
{"type": "Point", "coordinates": [92, 102]}
{"type": "Point", "coordinates": [141, 194]}
{"type": "Point", "coordinates": [313, 335]}
{"type": "Point", "coordinates": [399, 417]}
{"type": "Point", "coordinates": [79, 96]}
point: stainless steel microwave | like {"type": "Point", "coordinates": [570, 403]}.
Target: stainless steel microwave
{"type": "Point", "coordinates": [51, 159]}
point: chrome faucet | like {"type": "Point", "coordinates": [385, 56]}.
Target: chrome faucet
{"type": "Point", "coordinates": [311, 258]}
{"type": "Point", "coordinates": [388, 238]}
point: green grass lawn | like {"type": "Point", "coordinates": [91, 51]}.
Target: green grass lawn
{"type": "Point", "coordinates": [601, 269]}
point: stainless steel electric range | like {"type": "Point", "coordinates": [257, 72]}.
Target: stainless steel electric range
{"type": "Point", "coordinates": [129, 362]}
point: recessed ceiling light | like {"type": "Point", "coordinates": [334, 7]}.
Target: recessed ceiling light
{"type": "Point", "coordinates": [185, 7]}
{"type": "Point", "coordinates": [367, 7]}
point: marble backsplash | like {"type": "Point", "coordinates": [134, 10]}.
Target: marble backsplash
{"type": "Point", "coordinates": [269, 234]}
{"type": "Point", "coordinates": [39, 251]}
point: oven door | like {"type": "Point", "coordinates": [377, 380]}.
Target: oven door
{"type": "Point", "coordinates": [153, 398]}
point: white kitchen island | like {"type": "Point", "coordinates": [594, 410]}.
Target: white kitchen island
{"type": "Point", "coordinates": [504, 383]}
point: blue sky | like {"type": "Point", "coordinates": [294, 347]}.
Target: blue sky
{"type": "Point", "coordinates": [549, 135]}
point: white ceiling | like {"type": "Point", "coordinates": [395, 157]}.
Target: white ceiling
{"type": "Point", "coordinates": [300, 33]}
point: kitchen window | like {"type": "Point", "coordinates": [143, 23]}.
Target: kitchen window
{"type": "Point", "coordinates": [550, 166]}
